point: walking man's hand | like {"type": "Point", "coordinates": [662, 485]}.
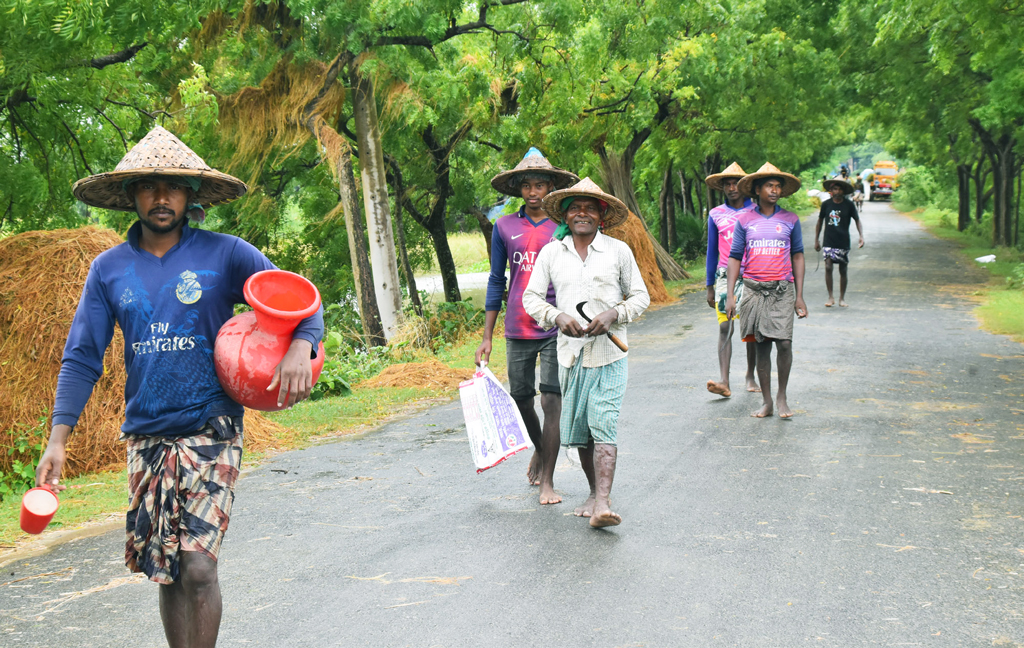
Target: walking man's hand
{"type": "Point", "coordinates": [730, 306]}
{"type": "Point", "coordinates": [52, 461]}
{"type": "Point", "coordinates": [569, 326]}
{"type": "Point", "coordinates": [483, 352]}
{"type": "Point", "coordinates": [294, 374]}
{"type": "Point", "coordinates": [817, 245]}
{"type": "Point", "coordinates": [861, 243]}
{"type": "Point", "coordinates": [800, 308]}
{"type": "Point", "coordinates": [711, 296]}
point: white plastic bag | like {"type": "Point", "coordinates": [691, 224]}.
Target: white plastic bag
{"type": "Point", "coordinates": [493, 422]}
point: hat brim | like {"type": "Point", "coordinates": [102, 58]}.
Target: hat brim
{"type": "Point", "coordinates": [106, 190]}
{"type": "Point", "coordinates": [716, 180]}
{"type": "Point", "coordinates": [790, 183]}
{"type": "Point", "coordinates": [615, 215]}
{"type": "Point", "coordinates": [506, 183]}
{"type": "Point", "coordinates": [846, 186]}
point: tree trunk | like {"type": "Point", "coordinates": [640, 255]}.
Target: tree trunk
{"type": "Point", "coordinates": [1000, 152]}
{"type": "Point", "coordinates": [1016, 210]}
{"type": "Point", "coordinates": [339, 154]}
{"type": "Point", "coordinates": [667, 205]}
{"type": "Point", "coordinates": [486, 226]}
{"type": "Point", "coordinates": [410, 278]}
{"type": "Point", "coordinates": [963, 185]}
{"type": "Point", "coordinates": [980, 197]}
{"type": "Point", "coordinates": [369, 315]}
{"type": "Point", "coordinates": [375, 200]}
{"type": "Point", "coordinates": [963, 176]}
{"type": "Point", "coordinates": [684, 189]}
{"type": "Point", "coordinates": [702, 213]}
{"type": "Point", "coordinates": [617, 175]}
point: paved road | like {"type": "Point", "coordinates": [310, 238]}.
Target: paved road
{"type": "Point", "coordinates": [887, 512]}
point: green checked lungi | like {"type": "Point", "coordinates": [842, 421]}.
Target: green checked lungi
{"type": "Point", "coordinates": [591, 399]}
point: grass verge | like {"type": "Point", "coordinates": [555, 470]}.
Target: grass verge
{"type": "Point", "coordinates": [1002, 308]}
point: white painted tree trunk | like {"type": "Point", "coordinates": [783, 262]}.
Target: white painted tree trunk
{"type": "Point", "coordinates": [375, 199]}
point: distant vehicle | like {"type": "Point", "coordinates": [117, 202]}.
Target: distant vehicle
{"type": "Point", "coordinates": [886, 180]}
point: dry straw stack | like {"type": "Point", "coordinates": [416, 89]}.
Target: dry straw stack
{"type": "Point", "coordinates": [41, 279]}
{"type": "Point", "coordinates": [633, 233]}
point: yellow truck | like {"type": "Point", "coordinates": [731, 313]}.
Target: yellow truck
{"type": "Point", "coordinates": [885, 181]}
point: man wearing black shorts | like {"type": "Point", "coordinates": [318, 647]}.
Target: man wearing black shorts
{"type": "Point", "coordinates": [836, 214]}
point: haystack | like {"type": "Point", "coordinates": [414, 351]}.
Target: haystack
{"type": "Point", "coordinates": [431, 374]}
{"type": "Point", "coordinates": [633, 233]}
{"type": "Point", "coordinates": [41, 279]}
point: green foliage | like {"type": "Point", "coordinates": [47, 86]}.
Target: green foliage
{"type": "Point", "coordinates": [691, 239]}
{"type": "Point", "coordinates": [1016, 278]}
{"type": "Point", "coordinates": [26, 447]}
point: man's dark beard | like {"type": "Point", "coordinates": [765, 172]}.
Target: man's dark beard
{"type": "Point", "coordinates": [162, 229]}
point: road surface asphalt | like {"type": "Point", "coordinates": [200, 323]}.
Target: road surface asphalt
{"type": "Point", "coordinates": [887, 512]}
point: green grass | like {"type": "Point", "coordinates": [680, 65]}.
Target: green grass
{"type": "Point", "coordinates": [1003, 313]}
{"type": "Point", "coordinates": [88, 497]}
{"type": "Point", "coordinates": [1002, 309]}
{"type": "Point", "coordinates": [469, 249]}
{"type": "Point", "coordinates": [336, 414]}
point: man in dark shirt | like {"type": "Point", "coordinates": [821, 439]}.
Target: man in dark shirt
{"type": "Point", "coordinates": [836, 213]}
{"type": "Point", "coordinates": [169, 288]}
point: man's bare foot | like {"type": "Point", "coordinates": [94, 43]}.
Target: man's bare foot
{"type": "Point", "coordinates": [605, 518]}
{"type": "Point", "coordinates": [549, 496]}
{"type": "Point", "coordinates": [533, 472]}
{"type": "Point", "coordinates": [752, 386]}
{"type": "Point", "coordinates": [765, 411]}
{"type": "Point", "coordinates": [830, 303]}
{"type": "Point", "coordinates": [586, 509]}
{"type": "Point", "coordinates": [721, 389]}
{"type": "Point", "coordinates": [842, 304]}
{"type": "Point", "coordinates": [784, 411]}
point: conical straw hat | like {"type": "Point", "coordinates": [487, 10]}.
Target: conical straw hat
{"type": "Point", "coordinates": [616, 214]}
{"type": "Point", "coordinates": [508, 183]}
{"type": "Point", "coordinates": [790, 183]}
{"type": "Point", "coordinates": [715, 180]}
{"type": "Point", "coordinates": [847, 187]}
{"type": "Point", "coordinates": [159, 153]}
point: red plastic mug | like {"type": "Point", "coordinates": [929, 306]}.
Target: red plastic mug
{"type": "Point", "coordinates": [38, 507]}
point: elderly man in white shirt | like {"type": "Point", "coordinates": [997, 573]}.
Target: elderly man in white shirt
{"type": "Point", "coordinates": [598, 274]}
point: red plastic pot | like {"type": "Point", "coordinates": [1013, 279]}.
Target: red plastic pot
{"type": "Point", "coordinates": [251, 345]}
{"type": "Point", "coordinates": [38, 507]}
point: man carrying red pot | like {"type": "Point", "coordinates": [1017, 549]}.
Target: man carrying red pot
{"type": "Point", "coordinates": [170, 288]}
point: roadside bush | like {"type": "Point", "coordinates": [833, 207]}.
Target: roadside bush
{"type": "Point", "coordinates": [1016, 278]}
{"type": "Point", "coordinates": [691, 239]}
{"type": "Point", "coordinates": [25, 448]}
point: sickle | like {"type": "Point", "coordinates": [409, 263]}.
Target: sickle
{"type": "Point", "coordinates": [616, 341]}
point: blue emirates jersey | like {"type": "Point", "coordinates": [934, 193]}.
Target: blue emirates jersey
{"type": "Point", "coordinates": [170, 310]}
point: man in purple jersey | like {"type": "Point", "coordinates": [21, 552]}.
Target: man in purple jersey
{"type": "Point", "coordinates": [769, 244]}
{"type": "Point", "coordinates": [515, 242]}
{"type": "Point", "coordinates": [721, 222]}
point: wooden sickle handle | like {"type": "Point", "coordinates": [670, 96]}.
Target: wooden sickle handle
{"type": "Point", "coordinates": [617, 342]}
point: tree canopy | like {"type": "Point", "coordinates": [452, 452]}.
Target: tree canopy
{"type": "Point", "coordinates": [415, 105]}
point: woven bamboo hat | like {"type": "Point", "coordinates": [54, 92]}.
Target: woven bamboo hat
{"type": "Point", "coordinates": [159, 153]}
{"type": "Point", "coordinates": [790, 183]}
{"type": "Point", "coordinates": [715, 180]}
{"type": "Point", "coordinates": [508, 182]}
{"type": "Point", "coordinates": [838, 182]}
{"type": "Point", "coordinates": [615, 214]}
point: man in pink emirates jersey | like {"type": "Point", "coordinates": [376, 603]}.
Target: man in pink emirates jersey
{"type": "Point", "coordinates": [515, 242]}
{"type": "Point", "coordinates": [769, 244]}
{"type": "Point", "coordinates": [721, 222]}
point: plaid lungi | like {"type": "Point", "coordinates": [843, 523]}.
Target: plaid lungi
{"type": "Point", "coordinates": [181, 491]}
{"type": "Point", "coordinates": [591, 399]}
{"type": "Point", "coordinates": [767, 310]}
